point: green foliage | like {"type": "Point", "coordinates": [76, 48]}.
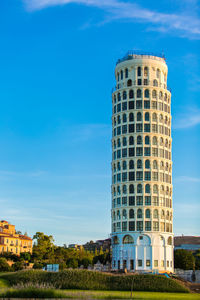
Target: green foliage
{"type": "Point", "coordinates": [38, 265]}
{"type": "Point", "coordinates": [25, 256]}
{"type": "Point", "coordinates": [184, 259]}
{"type": "Point", "coordinates": [32, 292]}
{"type": "Point", "coordinates": [85, 262]}
{"type": "Point", "coordinates": [90, 280]}
{"type": "Point", "coordinates": [197, 259]}
{"type": "Point", "coordinates": [18, 265]}
{"type": "Point", "coordinates": [72, 263]}
{"type": "Point", "coordinates": [4, 266]}
{"type": "Point", "coordinates": [44, 247]}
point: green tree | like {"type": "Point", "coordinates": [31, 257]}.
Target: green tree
{"type": "Point", "coordinates": [25, 256]}
{"type": "Point", "coordinates": [43, 249]}
{"type": "Point", "coordinates": [72, 263]}
{"type": "Point", "coordinates": [4, 266]}
{"type": "Point", "coordinates": [19, 265]}
{"type": "Point", "coordinates": [184, 259]}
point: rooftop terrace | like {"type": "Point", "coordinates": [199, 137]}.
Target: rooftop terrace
{"type": "Point", "coordinates": [133, 54]}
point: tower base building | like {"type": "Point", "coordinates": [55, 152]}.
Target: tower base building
{"type": "Point", "coordinates": [142, 214]}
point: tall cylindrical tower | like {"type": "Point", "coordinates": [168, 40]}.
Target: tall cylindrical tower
{"type": "Point", "coordinates": [142, 215]}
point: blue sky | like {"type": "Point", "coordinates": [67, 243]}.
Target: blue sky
{"type": "Point", "coordinates": [57, 60]}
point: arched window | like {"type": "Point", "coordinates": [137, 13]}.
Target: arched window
{"type": "Point", "coordinates": [165, 97]}
{"type": "Point", "coordinates": [118, 97]}
{"type": "Point", "coordinates": [115, 145]}
{"type": "Point", "coordinates": [167, 216]}
{"type": "Point", "coordinates": [124, 189]}
{"type": "Point", "coordinates": [131, 117]}
{"type": "Point", "coordinates": [146, 116]}
{"type": "Point", "coordinates": [154, 94]}
{"type": "Point", "coordinates": [155, 188]}
{"type": "Point", "coordinates": [139, 116]}
{"type": "Point", "coordinates": [155, 214]}
{"type": "Point", "coordinates": [161, 141]}
{"type": "Point", "coordinates": [147, 140]}
{"type": "Point", "coordinates": [115, 240]}
{"type": "Point", "coordinates": [124, 141]}
{"type": "Point", "coordinates": [124, 214]}
{"type": "Point", "coordinates": [147, 164]}
{"type": "Point", "coordinates": [131, 189]}
{"type": "Point", "coordinates": [162, 165]}
{"type": "Point", "coordinates": [121, 74]}
{"type": "Point", "coordinates": [131, 164]}
{"type": "Point", "coordinates": [147, 213]}
{"type": "Point", "coordinates": [139, 188]}
{"type": "Point", "coordinates": [115, 121]}
{"type": "Point", "coordinates": [118, 166]}
{"type": "Point", "coordinates": [131, 140]}
{"type": "Point", "coordinates": [128, 239]}
{"type": "Point", "coordinates": [154, 117]}
{"type": "Point", "coordinates": [117, 76]}
{"type": "Point", "coordinates": [131, 94]}
{"type": "Point", "coordinates": [161, 118]}
{"type": "Point", "coordinates": [139, 71]}
{"type": "Point", "coordinates": [155, 164]}
{"type": "Point", "coordinates": [146, 93]}
{"type": "Point", "coordinates": [131, 214]}
{"type": "Point", "coordinates": [118, 120]}
{"type": "Point", "coordinates": [118, 215]}
{"type": "Point", "coordinates": [162, 189]}
{"type": "Point", "coordinates": [160, 95]}
{"type": "Point", "coordinates": [114, 168]}
{"type": "Point", "coordinates": [169, 241]}
{"type": "Point", "coordinates": [129, 82]}
{"type": "Point", "coordinates": [139, 164]}
{"type": "Point", "coordinates": [124, 165]}
{"type": "Point", "coordinates": [126, 73]}
{"type": "Point", "coordinates": [158, 73]}
{"type": "Point", "coordinates": [139, 140]}
{"type": "Point", "coordinates": [114, 191]}
{"type": "Point", "coordinates": [124, 95]}
{"type": "Point", "coordinates": [162, 214]}
{"type": "Point", "coordinates": [124, 118]}
{"type": "Point", "coordinates": [114, 216]}
{"type": "Point", "coordinates": [118, 190]}
{"type": "Point", "coordinates": [147, 188]}
{"type": "Point", "coordinates": [139, 93]}
{"type": "Point", "coordinates": [155, 141]}
{"type": "Point", "coordinates": [155, 82]}
{"type": "Point", "coordinates": [115, 99]}
{"type": "Point", "coordinates": [118, 143]}
{"type": "Point", "coordinates": [146, 71]}
{"type": "Point", "coordinates": [139, 213]}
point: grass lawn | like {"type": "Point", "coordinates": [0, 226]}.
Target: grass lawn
{"type": "Point", "coordinates": [80, 294]}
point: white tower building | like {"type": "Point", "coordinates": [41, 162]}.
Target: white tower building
{"type": "Point", "coordinates": [142, 215]}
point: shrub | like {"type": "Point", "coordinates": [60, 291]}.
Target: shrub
{"type": "Point", "coordinates": [4, 266]}
{"type": "Point", "coordinates": [90, 280]}
{"type": "Point", "coordinates": [18, 265]}
{"type": "Point", "coordinates": [33, 293]}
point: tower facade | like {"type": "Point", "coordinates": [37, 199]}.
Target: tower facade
{"type": "Point", "coordinates": [142, 214]}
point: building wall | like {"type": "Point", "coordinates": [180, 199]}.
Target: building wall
{"type": "Point", "coordinates": [142, 214]}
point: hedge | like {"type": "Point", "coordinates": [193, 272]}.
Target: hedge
{"type": "Point", "coordinates": [91, 280]}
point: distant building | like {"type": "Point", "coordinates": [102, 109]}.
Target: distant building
{"type": "Point", "coordinates": [103, 245]}
{"type": "Point", "coordinates": [191, 243]}
{"type": "Point", "coordinates": [10, 241]}
{"type": "Point", "coordinates": [75, 246]}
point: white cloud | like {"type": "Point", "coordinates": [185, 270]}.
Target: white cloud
{"type": "Point", "coordinates": [187, 25]}
{"type": "Point", "coordinates": [187, 179]}
{"type": "Point", "coordinates": [187, 120]}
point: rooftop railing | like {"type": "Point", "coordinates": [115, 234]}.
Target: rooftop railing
{"type": "Point", "coordinates": [132, 54]}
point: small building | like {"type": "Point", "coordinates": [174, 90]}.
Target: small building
{"type": "Point", "coordinates": [191, 243]}
{"type": "Point", "coordinates": [75, 247]}
{"type": "Point", "coordinates": [10, 241]}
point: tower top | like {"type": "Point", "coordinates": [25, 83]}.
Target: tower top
{"type": "Point", "coordinates": [135, 54]}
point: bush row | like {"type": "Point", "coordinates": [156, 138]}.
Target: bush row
{"type": "Point", "coordinates": [90, 280]}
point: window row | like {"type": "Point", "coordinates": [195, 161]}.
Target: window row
{"type": "Point", "coordinates": [140, 188]}
{"type": "Point", "coordinates": [139, 127]}
{"type": "Point", "coordinates": [141, 200]}
{"type": "Point", "coordinates": [140, 175]}
{"type": "Point", "coordinates": [131, 117]}
{"type": "Point", "coordinates": [139, 140]}
{"type": "Point", "coordinates": [140, 263]}
{"type": "Point", "coordinates": [139, 151]}
{"type": "Point", "coordinates": [140, 93]}
{"type": "Point", "coordinates": [139, 104]}
{"type": "Point", "coordinates": [131, 164]}
{"type": "Point", "coordinates": [142, 226]}
{"type": "Point", "coordinates": [128, 239]}
{"type": "Point", "coordinates": [140, 71]}
{"type": "Point", "coordinates": [139, 214]}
